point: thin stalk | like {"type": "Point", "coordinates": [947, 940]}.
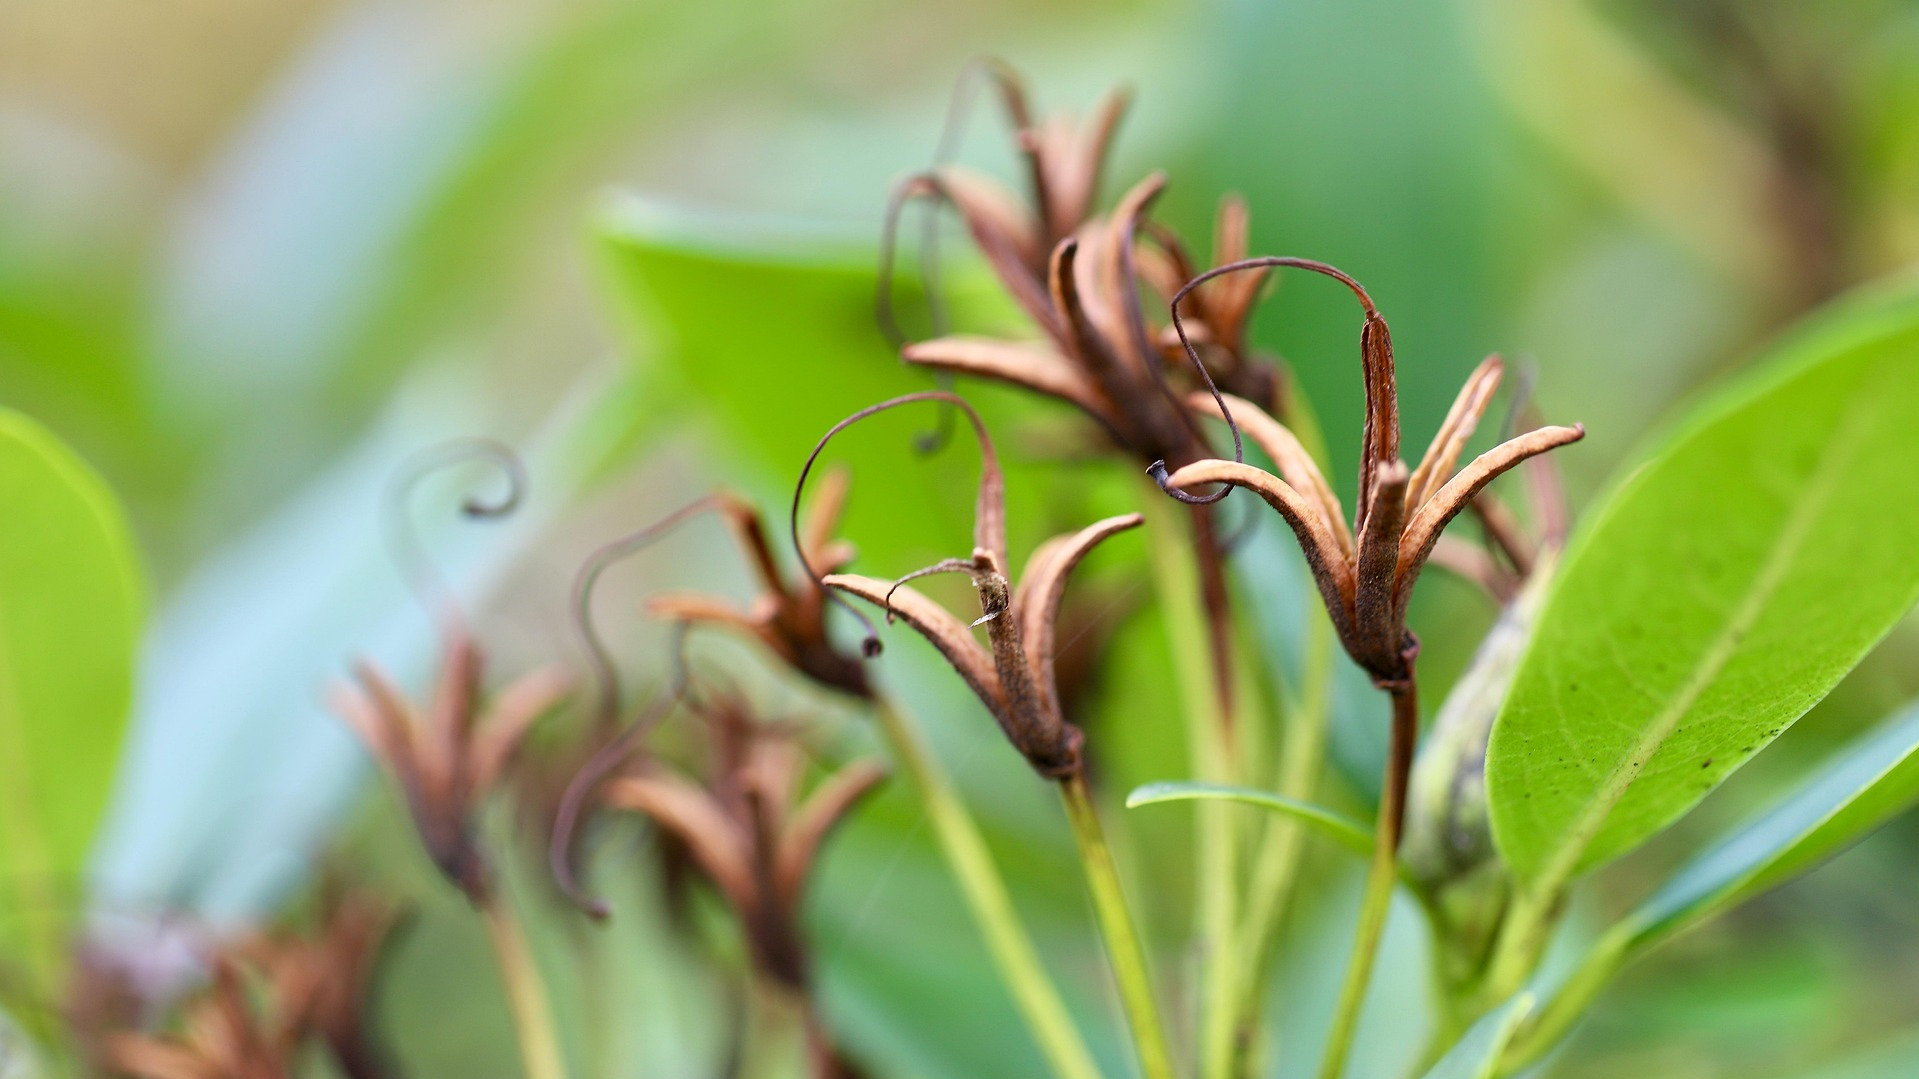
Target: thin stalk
{"type": "Point", "coordinates": [984, 890]}
{"type": "Point", "coordinates": [526, 993]}
{"type": "Point", "coordinates": [1380, 878]}
{"type": "Point", "coordinates": [1216, 844]}
{"type": "Point", "coordinates": [1276, 865]}
{"type": "Point", "coordinates": [1123, 947]}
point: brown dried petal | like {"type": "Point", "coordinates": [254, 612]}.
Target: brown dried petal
{"type": "Point", "coordinates": [691, 814]}
{"type": "Point", "coordinates": [1034, 366]}
{"type": "Point", "coordinates": [1041, 588]}
{"type": "Point", "coordinates": [1296, 466]}
{"type": "Point", "coordinates": [1332, 570]}
{"type": "Point", "coordinates": [1424, 528]}
{"type": "Point", "coordinates": [520, 705]}
{"type": "Point", "coordinates": [1437, 466]}
{"type": "Point", "coordinates": [947, 633]}
{"type": "Point", "coordinates": [1376, 625]}
{"type": "Point", "coordinates": [829, 804]}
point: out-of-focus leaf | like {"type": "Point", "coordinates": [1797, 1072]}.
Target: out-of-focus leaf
{"type": "Point", "coordinates": [1342, 830]}
{"type": "Point", "coordinates": [1476, 1056]}
{"type": "Point", "coordinates": [1595, 98]}
{"type": "Point", "coordinates": [1735, 576]}
{"type": "Point", "coordinates": [71, 601]}
{"type": "Point", "coordinates": [1848, 799]}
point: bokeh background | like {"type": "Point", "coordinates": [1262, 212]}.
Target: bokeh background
{"type": "Point", "coordinates": [254, 255]}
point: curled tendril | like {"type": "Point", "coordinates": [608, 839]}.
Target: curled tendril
{"type": "Point", "coordinates": [952, 133]}
{"type": "Point", "coordinates": [600, 767]}
{"type": "Point", "coordinates": [1158, 469]}
{"type": "Point", "coordinates": [870, 645]}
{"type": "Point", "coordinates": [407, 551]}
{"type": "Point", "coordinates": [605, 676]}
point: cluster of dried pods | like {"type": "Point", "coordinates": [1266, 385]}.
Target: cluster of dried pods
{"type": "Point", "coordinates": [747, 819]}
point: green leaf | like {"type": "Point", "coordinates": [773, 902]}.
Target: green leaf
{"type": "Point", "coordinates": [1861, 789]}
{"type": "Point", "coordinates": [1340, 829]}
{"type": "Point", "coordinates": [1758, 553]}
{"type": "Point", "coordinates": [1476, 1056]}
{"type": "Point", "coordinates": [70, 611]}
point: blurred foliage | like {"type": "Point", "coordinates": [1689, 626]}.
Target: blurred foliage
{"type": "Point", "coordinates": [252, 256]}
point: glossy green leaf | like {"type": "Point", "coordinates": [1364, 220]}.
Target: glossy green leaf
{"type": "Point", "coordinates": [1476, 1056]}
{"type": "Point", "coordinates": [70, 608]}
{"type": "Point", "coordinates": [1754, 558]}
{"type": "Point", "coordinates": [1849, 798]}
{"type": "Point", "coordinates": [1340, 829]}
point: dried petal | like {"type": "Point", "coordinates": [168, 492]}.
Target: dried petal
{"type": "Point", "coordinates": [1424, 528]}
{"type": "Point", "coordinates": [1437, 466]}
{"type": "Point", "coordinates": [698, 821]}
{"type": "Point", "coordinates": [1042, 586]}
{"type": "Point", "coordinates": [1296, 466]}
{"type": "Point", "coordinates": [1033, 366]}
{"type": "Point", "coordinates": [936, 624]}
{"type": "Point", "coordinates": [1332, 570]}
{"type": "Point", "coordinates": [520, 705]}
{"type": "Point", "coordinates": [829, 804]}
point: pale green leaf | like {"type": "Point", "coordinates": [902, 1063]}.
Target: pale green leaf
{"type": "Point", "coordinates": [1850, 797]}
{"type": "Point", "coordinates": [1750, 562]}
{"type": "Point", "coordinates": [1340, 829]}
{"type": "Point", "coordinates": [70, 610]}
{"type": "Point", "coordinates": [1476, 1055]}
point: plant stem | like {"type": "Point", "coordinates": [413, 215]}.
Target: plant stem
{"type": "Point", "coordinates": [1123, 948]}
{"type": "Point", "coordinates": [1276, 866]}
{"type": "Point", "coordinates": [986, 896]}
{"type": "Point", "coordinates": [1188, 629]}
{"type": "Point", "coordinates": [1380, 878]}
{"type": "Point", "coordinates": [526, 993]}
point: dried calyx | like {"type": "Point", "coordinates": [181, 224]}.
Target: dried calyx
{"type": "Point", "coordinates": [1013, 675]}
{"type": "Point", "coordinates": [1365, 572]}
{"type": "Point", "coordinates": [453, 752]}
{"type": "Point", "coordinates": [1078, 278]}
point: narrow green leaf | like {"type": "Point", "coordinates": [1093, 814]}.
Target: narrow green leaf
{"type": "Point", "coordinates": [1861, 789]}
{"type": "Point", "coordinates": [1340, 829]}
{"type": "Point", "coordinates": [1726, 586]}
{"type": "Point", "coordinates": [70, 609]}
{"type": "Point", "coordinates": [1476, 1055]}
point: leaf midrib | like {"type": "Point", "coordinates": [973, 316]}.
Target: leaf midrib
{"type": "Point", "coordinates": [1798, 525]}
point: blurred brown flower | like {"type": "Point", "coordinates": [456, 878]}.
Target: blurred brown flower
{"type": "Point", "coordinates": [1014, 678]}
{"type": "Point", "coordinates": [448, 757]}
{"type": "Point", "coordinates": [788, 616]}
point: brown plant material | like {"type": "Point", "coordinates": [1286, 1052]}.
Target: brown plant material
{"type": "Point", "coordinates": [752, 834]}
{"type": "Point", "coordinates": [789, 615]}
{"type": "Point", "coordinates": [450, 755]}
{"type": "Point", "coordinates": [1014, 677]}
{"type": "Point", "coordinates": [228, 1033]}
{"type": "Point", "coordinates": [269, 995]}
{"type": "Point", "coordinates": [1365, 573]}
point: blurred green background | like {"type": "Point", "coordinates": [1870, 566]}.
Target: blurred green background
{"type": "Point", "coordinates": [252, 256]}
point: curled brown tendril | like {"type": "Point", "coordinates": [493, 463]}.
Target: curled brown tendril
{"type": "Point", "coordinates": [1158, 469]}
{"type": "Point", "coordinates": [409, 555]}
{"type": "Point", "coordinates": [990, 527]}
{"type": "Point", "coordinates": [606, 761]}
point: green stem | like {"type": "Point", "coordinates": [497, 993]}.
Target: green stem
{"type": "Point", "coordinates": [986, 896]}
{"type": "Point", "coordinates": [1123, 947]}
{"type": "Point", "coordinates": [1176, 579]}
{"type": "Point", "coordinates": [1380, 878]}
{"type": "Point", "coordinates": [1276, 866]}
{"type": "Point", "coordinates": [526, 993]}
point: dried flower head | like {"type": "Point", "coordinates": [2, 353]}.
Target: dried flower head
{"type": "Point", "coordinates": [750, 831]}
{"type": "Point", "coordinates": [232, 1031]}
{"type": "Point", "coordinates": [788, 616]}
{"type": "Point", "coordinates": [450, 755]}
{"type": "Point", "coordinates": [337, 965]}
{"type": "Point", "coordinates": [1365, 573]}
{"type": "Point", "coordinates": [1078, 278]}
{"type": "Point", "coordinates": [1013, 677]}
